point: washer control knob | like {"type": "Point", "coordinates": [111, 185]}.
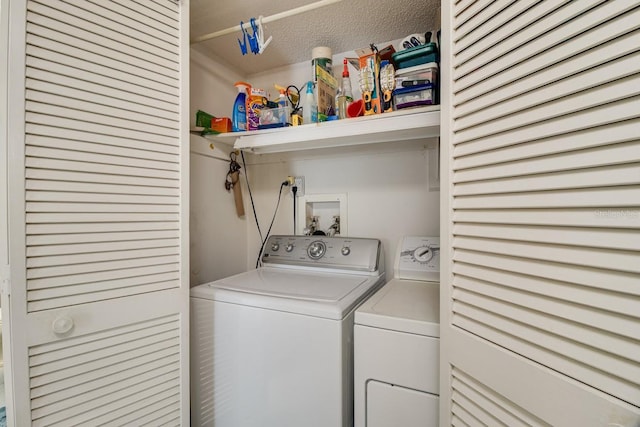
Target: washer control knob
{"type": "Point", "coordinates": [275, 247]}
{"type": "Point", "coordinates": [289, 247]}
{"type": "Point", "coordinates": [316, 250]}
{"type": "Point", "coordinates": [346, 250]}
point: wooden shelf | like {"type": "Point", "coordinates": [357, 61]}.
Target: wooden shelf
{"type": "Point", "coordinates": [411, 124]}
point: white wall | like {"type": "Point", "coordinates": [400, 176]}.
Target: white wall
{"type": "Point", "coordinates": [218, 237]}
{"type": "Point", "coordinates": [218, 243]}
{"type": "Point", "coordinates": [211, 86]}
{"type": "Point", "coordinates": [387, 185]}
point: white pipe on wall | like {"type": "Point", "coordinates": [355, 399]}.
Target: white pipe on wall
{"type": "Point", "coordinates": [265, 20]}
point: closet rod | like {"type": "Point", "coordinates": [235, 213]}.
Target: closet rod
{"type": "Point", "coordinates": [265, 20]}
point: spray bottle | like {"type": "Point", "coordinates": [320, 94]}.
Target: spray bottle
{"type": "Point", "coordinates": [239, 115]}
{"type": "Point", "coordinates": [345, 95]}
{"type": "Point", "coordinates": [309, 106]}
{"type": "Point", "coordinates": [284, 108]}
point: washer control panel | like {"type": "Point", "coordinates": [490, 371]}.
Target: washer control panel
{"type": "Point", "coordinates": [321, 251]}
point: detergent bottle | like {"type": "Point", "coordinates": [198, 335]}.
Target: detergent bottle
{"type": "Point", "coordinates": [239, 116]}
{"type": "Point", "coordinates": [256, 102]}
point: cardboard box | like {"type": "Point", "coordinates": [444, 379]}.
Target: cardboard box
{"type": "Point", "coordinates": [327, 87]}
{"type": "Point", "coordinates": [221, 124]}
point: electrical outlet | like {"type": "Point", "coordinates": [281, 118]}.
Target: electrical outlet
{"type": "Point", "coordinates": [298, 181]}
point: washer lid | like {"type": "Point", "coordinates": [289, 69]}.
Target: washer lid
{"type": "Point", "coordinates": [404, 306]}
{"type": "Point", "coordinates": [313, 293]}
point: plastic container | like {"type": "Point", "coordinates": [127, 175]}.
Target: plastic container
{"type": "Point", "coordinates": [417, 75]}
{"type": "Point", "coordinates": [275, 117]}
{"type": "Point", "coordinates": [356, 108]}
{"type": "Point", "coordinates": [321, 56]}
{"type": "Point", "coordinates": [416, 56]}
{"type": "Point", "coordinates": [325, 85]}
{"type": "Point", "coordinates": [239, 114]}
{"type": "Point", "coordinates": [413, 96]}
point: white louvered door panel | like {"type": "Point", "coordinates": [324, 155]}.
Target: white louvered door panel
{"type": "Point", "coordinates": [98, 206]}
{"type": "Point", "coordinates": [541, 141]}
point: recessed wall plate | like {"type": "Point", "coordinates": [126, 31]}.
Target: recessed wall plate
{"type": "Point", "coordinates": [325, 207]}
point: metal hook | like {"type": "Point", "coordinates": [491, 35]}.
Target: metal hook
{"type": "Point", "coordinates": [234, 166]}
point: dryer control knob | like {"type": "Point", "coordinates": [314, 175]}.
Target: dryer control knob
{"type": "Point", "coordinates": [275, 247]}
{"type": "Point", "coordinates": [289, 247]}
{"type": "Point", "coordinates": [346, 250]}
{"type": "Point", "coordinates": [422, 255]}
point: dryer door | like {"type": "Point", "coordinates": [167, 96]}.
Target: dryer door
{"type": "Point", "coordinates": [391, 406]}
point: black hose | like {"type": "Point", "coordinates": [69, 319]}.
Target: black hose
{"type": "Point", "coordinates": [294, 190]}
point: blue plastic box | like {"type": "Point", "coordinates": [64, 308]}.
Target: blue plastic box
{"type": "Point", "coordinates": [414, 96]}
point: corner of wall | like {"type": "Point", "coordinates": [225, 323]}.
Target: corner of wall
{"type": "Point", "coordinates": [211, 84]}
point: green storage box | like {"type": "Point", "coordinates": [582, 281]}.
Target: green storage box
{"type": "Point", "coordinates": [417, 55]}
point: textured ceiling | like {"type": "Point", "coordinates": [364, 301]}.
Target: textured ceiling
{"type": "Point", "coordinates": [342, 26]}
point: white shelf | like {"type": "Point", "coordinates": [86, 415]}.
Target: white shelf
{"type": "Point", "coordinates": [225, 138]}
{"type": "Point", "coordinates": [411, 124]}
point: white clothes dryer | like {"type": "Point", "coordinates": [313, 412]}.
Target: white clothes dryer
{"type": "Point", "coordinates": [396, 336]}
{"type": "Point", "coordinates": [273, 347]}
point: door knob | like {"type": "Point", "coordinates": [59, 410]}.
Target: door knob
{"type": "Point", "coordinates": [62, 325]}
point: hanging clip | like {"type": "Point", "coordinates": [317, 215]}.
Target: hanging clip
{"type": "Point", "coordinates": [262, 45]}
{"type": "Point", "coordinates": [243, 44]}
{"type": "Point", "coordinates": [253, 39]}
{"type": "Point", "coordinates": [256, 40]}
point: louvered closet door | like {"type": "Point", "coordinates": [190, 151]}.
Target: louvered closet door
{"type": "Point", "coordinates": [98, 181]}
{"type": "Point", "coordinates": [541, 285]}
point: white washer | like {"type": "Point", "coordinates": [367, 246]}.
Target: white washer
{"type": "Point", "coordinates": [273, 347]}
{"type": "Point", "coordinates": [397, 342]}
